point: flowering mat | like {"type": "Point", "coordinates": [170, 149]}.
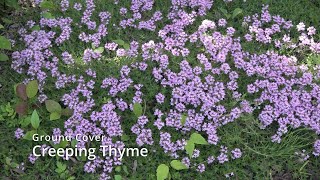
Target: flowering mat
{"type": "Point", "coordinates": [180, 89]}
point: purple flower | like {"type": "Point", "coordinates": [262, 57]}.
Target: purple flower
{"type": "Point", "coordinates": [222, 22]}
{"type": "Point", "coordinates": [236, 153]}
{"type": "Point", "coordinates": [18, 133]}
{"type": "Point", "coordinates": [121, 52]}
{"type": "Point", "coordinates": [160, 98]}
{"type": "Point", "coordinates": [201, 168]}
{"type": "Point", "coordinates": [77, 6]}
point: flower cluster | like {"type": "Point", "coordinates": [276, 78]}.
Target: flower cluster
{"type": "Point", "coordinates": [208, 94]}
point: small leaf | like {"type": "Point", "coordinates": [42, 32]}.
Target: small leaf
{"type": "Point", "coordinates": [3, 57]}
{"type": "Point", "coordinates": [21, 91]}
{"type": "Point", "coordinates": [41, 132]}
{"type": "Point", "coordinates": [189, 147]}
{"type": "Point", "coordinates": [55, 116]}
{"type": "Point", "coordinates": [29, 134]}
{"type": "Point", "coordinates": [126, 46]}
{"type": "Point", "coordinates": [32, 88]}
{"type": "Point", "coordinates": [74, 142]}
{"type": "Point", "coordinates": [63, 144]}
{"type": "Point", "coordinates": [99, 50]}
{"type": "Point", "coordinates": [125, 137]}
{"type": "Point", "coordinates": [225, 12]}
{"type": "Point", "coordinates": [1, 26]}
{"type": "Point", "coordinates": [198, 139]}
{"type": "Point", "coordinates": [61, 166]}
{"type": "Point", "coordinates": [177, 165]}
{"type": "Point", "coordinates": [71, 178]}
{"type": "Point", "coordinates": [35, 122]}
{"type": "Point", "coordinates": [119, 41]}
{"type": "Point", "coordinates": [53, 106]}
{"type": "Point", "coordinates": [162, 172]}
{"type": "Point", "coordinates": [67, 112]}
{"type": "Point", "coordinates": [236, 12]}
{"type": "Point", "coordinates": [59, 171]}
{"type": "Point", "coordinates": [118, 169]}
{"type": "Point", "coordinates": [35, 28]}
{"type": "Point", "coordinates": [93, 46]}
{"type": "Point", "coordinates": [137, 109]}
{"type": "Point", "coordinates": [183, 119]}
{"type": "Point", "coordinates": [117, 177]}
{"type": "Point", "coordinates": [26, 121]}
{"type": "Point", "coordinates": [22, 108]}
{"type": "Point", "coordinates": [47, 5]}
{"type": "Point", "coordinates": [125, 169]}
{"type": "Point", "coordinates": [8, 161]}
{"type": "Point", "coordinates": [5, 43]}
{"type": "Point", "coordinates": [47, 15]}
{"type": "Point", "coordinates": [14, 165]}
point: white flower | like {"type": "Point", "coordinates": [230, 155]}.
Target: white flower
{"type": "Point", "coordinates": [301, 26]}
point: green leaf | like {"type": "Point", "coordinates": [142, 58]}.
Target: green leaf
{"type": "Point", "coordinates": [3, 57]}
{"type": "Point", "coordinates": [55, 116]}
{"type": "Point", "coordinates": [5, 43]}
{"type": "Point", "coordinates": [46, 5]}
{"type": "Point", "coordinates": [189, 147]}
{"type": "Point", "coordinates": [178, 165]}
{"type": "Point", "coordinates": [35, 28]}
{"type": "Point", "coordinates": [125, 137]}
{"type": "Point", "coordinates": [71, 178]}
{"type": "Point", "coordinates": [32, 88]}
{"type": "Point", "coordinates": [118, 169]}
{"type": "Point", "coordinates": [99, 50]}
{"type": "Point", "coordinates": [137, 109]}
{"type": "Point", "coordinates": [183, 119]}
{"type": "Point", "coordinates": [29, 134]}
{"type": "Point", "coordinates": [47, 15]}
{"type": "Point", "coordinates": [198, 139]}
{"type": "Point", "coordinates": [59, 171]}
{"type": "Point", "coordinates": [1, 26]}
{"type": "Point", "coordinates": [53, 106]}
{"type": "Point", "coordinates": [162, 172]}
{"type": "Point", "coordinates": [66, 112]}
{"type": "Point", "coordinates": [125, 169]}
{"type": "Point", "coordinates": [35, 122]}
{"type": "Point", "coordinates": [126, 46]}
{"type": "Point", "coordinates": [42, 133]}
{"type": "Point", "coordinates": [74, 143]}
{"type": "Point", "coordinates": [8, 161]}
{"type": "Point", "coordinates": [119, 41]}
{"type": "Point", "coordinates": [225, 13]}
{"type": "Point", "coordinates": [61, 166]}
{"type": "Point", "coordinates": [63, 144]}
{"type": "Point", "coordinates": [236, 12]}
{"type": "Point", "coordinates": [26, 121]}
{"type": "Point", "coordinates": [117, 177]}
{"type": "Point", "coordinates": [14, 165]}
{"type": "Point", "coordinates": [169, 176]}
{"type": "Point", "coordinates": [93, 46]}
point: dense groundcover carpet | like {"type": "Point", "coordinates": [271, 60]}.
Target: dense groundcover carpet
{"type": "Point", "coordinates": [159, 89]}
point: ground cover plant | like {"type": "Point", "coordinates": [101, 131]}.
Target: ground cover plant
{"type": "Point", "coordinates": [212, 89]}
